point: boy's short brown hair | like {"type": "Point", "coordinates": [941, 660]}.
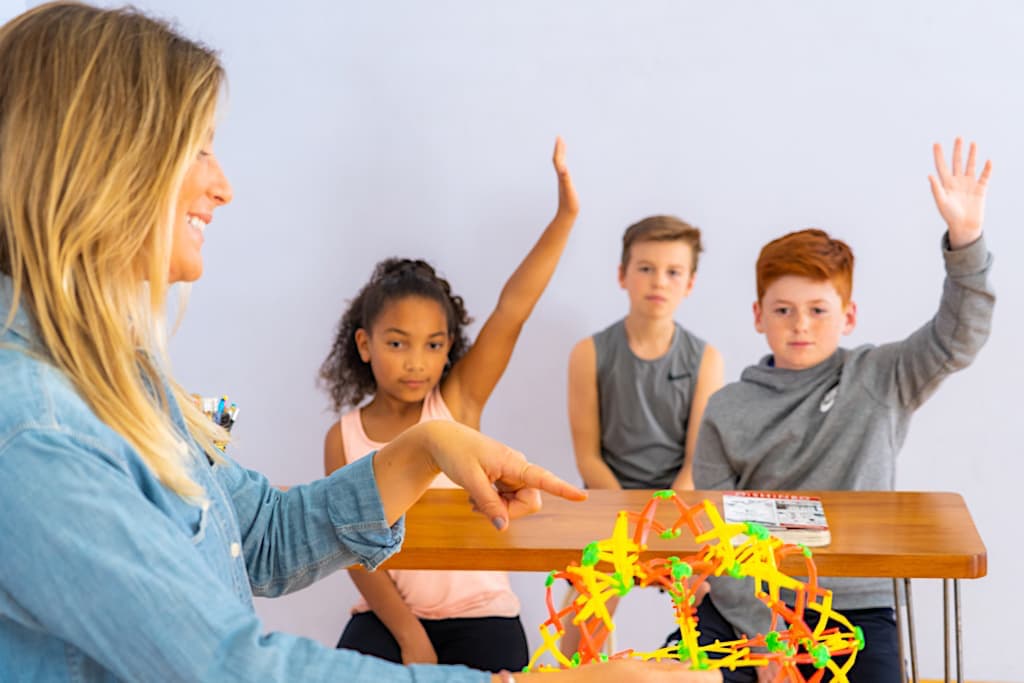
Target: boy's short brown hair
{"type": "Point", "coordinates": [809, 253]}
{"type": "Point", "coordinates": [661, 229]}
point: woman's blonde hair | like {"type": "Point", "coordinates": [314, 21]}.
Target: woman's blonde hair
{"type": "Point", "coordinates": [102, 111]}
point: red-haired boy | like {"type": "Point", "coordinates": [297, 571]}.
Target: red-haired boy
{"type": "Point", "coordinates": [814, 415]}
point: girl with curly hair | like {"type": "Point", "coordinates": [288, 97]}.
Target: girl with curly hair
{"type": "Point", "coordinates": [402, 343]}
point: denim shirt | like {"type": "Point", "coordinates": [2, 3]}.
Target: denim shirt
{"type": "Point", "coordinates": [106, 575]}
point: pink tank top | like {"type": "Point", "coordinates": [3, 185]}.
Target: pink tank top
{"type": "Point", "coordinates": [429, 593]}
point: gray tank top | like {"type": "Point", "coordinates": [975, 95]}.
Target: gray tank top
{"type": "Point", "coordinates": [645, 406]}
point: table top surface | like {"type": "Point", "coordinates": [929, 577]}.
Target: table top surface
{"type": "Point", "coordinates": [874, 533]}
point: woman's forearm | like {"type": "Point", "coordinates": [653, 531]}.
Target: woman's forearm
{"type": "Point", "coordinates": [404, 469]}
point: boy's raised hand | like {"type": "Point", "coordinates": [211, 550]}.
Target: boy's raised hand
{"type": "Point", "coordinates": [568, 203]}
{"type": "Point", "coordinates": [959, 195]}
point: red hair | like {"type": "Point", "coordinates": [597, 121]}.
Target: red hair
{"type": "Point", "coordinates": [807, 253]}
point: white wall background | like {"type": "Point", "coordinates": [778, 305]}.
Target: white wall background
{"type": "Point", "coordinates": [356, 131]}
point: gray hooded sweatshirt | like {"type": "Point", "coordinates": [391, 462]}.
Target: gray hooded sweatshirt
{"type": "Point", "coordinates": [838, 425]}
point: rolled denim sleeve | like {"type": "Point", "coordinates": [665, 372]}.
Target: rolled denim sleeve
{"type": "Point", "coordinates": [94, 578]}
{"type": "Point", "coordinates": [292, 538]}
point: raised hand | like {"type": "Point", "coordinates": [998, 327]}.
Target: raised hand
{"type": "Point", "coordinates": [568, 203]}
{"type": "Point", "coordinates": [960, 196]}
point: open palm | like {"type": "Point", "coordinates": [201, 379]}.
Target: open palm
{"type": "Point", "coordinates": [960, 196]}
{"type": "Point", "coordinates": [568, 203]}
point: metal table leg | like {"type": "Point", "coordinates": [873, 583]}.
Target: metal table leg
{"type": "Point", "coordinates": [910, 630]}
{"type": "Point", "coordinates": [945, 629]}
{"type": "Point", "coordinates": [899, 629]}
{"type": "Point", "coordinates": [959, 632]}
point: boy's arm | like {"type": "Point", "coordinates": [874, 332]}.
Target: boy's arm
{"type": "Point", "coordinates": [953, 337]}
{"type": "Point", "coordinates": [710, 377]}
{"type": "Point", "coordinates": [473, 378]}
{"type": "Point", "coordinates": [585, 417]}
{"type": "Point", "coordinates": [377, 588]}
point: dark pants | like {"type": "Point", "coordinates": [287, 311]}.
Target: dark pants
{"type": "Point", "coordinates": [878, 662]}
{"type": "Point", "coordinates": [485, 643]}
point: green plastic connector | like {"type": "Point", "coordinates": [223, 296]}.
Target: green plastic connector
{"type": "Point", "coordinates": [858, 633]}
{"type": "Point", "coordinates": [550, 580]}
{"type": "Point", "coordinates": [590, 554]}
{"type": "Point", "coordinates": [757, 531]}
{"type": "Point", "coordinates": [664, 494]}
{"type": "Point", "coordinates": [621, 584]}
{"type": "Point", "coordinates": [821, 656]}
{"type": "Point", "coordinates": [681, 570]}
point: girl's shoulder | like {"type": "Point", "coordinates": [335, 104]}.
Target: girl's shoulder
{"type": "Point", "coordinates": [334, 448]}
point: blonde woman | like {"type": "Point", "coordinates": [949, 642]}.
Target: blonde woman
{"type": "Point", "coordinates": [131, 545]}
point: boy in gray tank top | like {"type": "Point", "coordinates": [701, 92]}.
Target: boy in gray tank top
{"type": "Point", "coordinates": [637, 390]}
{"type": "Point", "coordinates": [645, 407]}
{"type": "Point", "coordinates": [812, 415]}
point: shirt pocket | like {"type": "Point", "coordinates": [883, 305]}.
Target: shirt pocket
{"type": "Point", "coordinates": [191, 519]}
{"type": "Point", "coordinates": [199, 527]}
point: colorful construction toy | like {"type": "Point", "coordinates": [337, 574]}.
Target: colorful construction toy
{"type": "Point", "coordinates": [612, 567]}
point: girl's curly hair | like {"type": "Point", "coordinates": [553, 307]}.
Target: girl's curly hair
{"type": "Point", "coordinates": [344, 374]}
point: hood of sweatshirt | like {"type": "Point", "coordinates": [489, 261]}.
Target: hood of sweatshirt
{"type": "Point", "coordinates": [779, 380]}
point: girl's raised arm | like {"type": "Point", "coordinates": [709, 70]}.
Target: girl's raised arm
{"type": "Point", "coordinates": [470, 383]}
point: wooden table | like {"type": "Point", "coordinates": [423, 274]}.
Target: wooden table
{"type": "Point", "coordinates": [897, 534]}
{"type": "Point", "coordinates": [874, 533]}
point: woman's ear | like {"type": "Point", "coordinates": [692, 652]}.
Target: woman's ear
{"type": "Point", "coordinates": [363, 344]}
